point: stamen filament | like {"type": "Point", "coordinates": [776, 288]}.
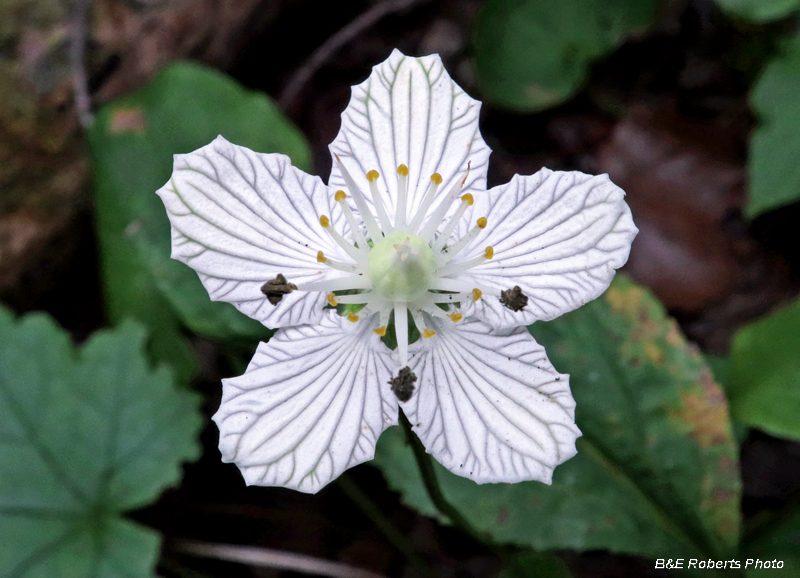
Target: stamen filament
{"type": "Point", "coordinates": [438, 215]}
{"type": "Point", "coordinates": [383, 216]}
{"type": "Point", "coordinates": [420, 323]}
{"type": "Point", "coordinates": [401, 330]}
{"type": "Point", "coordinates": [358, 256]}
{"type": "Point", "coordinates": [355, 299]}
{"type": "Point", "coordinates": [340, 284]}
{"type": "Point", "coordinates": [347, 267]}
{"type": "Point", "coordinates": [436, 180]}
{"type": "Point", "coordinates": [454, 268]}
{"type": "Point", "coordinates": [451, 251]}
{"type": "Point", "coordinates": [460, 286]}
{"type": "Point", "coordinates": [466, 201]}
{"type": "Point", "coordinates": [361, 202]}
{"type": "Point", "coordinates": [358, 236]}
{"type": "Point", "coordinates": [402, 195]}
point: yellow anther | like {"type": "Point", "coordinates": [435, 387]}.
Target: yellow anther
{"type": "Point", "coordinates": [332, 299]}
{"type": "Point", "coordinates": [321, 258]}
{"type": "Point", "coordinates": [482, 222]}
{"type": "Point", "coordinates": [372, 175]}
{"type": "Point", "coordinates": [489, 253]}
{"type": "Point", "coordinates": [436, 178]}
{"type": "Point", "coordinates": [380, 330]}
{"type": "Point", "coordinates": [456, 317]}
{"type": "Point", "coordinates": [476, 294]}
{"type": "Point", "coordinates": [340, 196]}
{"type": "Point", "coordinates": [428, 332]}
{"type": "Point", "coordinates": [324, 221]}
{"type": "Point", "coordinates": [352, 317]}
{"type": "Point", "coordinates": [402, 170]}
{"type": "Point", "coordinates": [468, 199]}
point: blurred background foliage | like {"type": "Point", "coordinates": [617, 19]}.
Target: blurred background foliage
{"type": "Point", "coordinates": [686, 372]}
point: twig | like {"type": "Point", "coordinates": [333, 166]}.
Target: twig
{"type": "Point", "coordinates": [332, 45]}
{"type": "Point", "coordinates": [371, 510]}
{"type": "Point", "coordinates": [80, 82]}
{"type": "Point", "coordinates": [267, 558]}
{"type": "Point", "coordinates": [425, 466]}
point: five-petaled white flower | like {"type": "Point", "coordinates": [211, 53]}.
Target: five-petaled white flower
{"type": "Point", "coordinates": [407, 228]}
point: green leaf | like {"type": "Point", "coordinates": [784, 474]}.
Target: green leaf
{"type": "Point", "coordinates": [533, 54]}
{"type": "Point", "coordinates": [529, 564]}
{"type": "Point", "coordinates": [765, 372]}
{"type": "Point", "coordinates": [759, 10]}
{"type": "Point", "coordinates": [84, 436]}
{"type": "Point", "coordinates": [775, 144]}
{"type": "Point", "coordinates": [656, 471]}
{"type": "Point", "coordinates": [779, 541]}
{"type": "Point", "coordinates": [132, 142]}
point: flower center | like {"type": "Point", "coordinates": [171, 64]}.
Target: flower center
{"type": "Point", "coordinates": [401, 267]}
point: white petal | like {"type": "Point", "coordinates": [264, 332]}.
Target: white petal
{"type": "Point", "coordinates": [409, 111]}
{"type": "Point", "coordinates": [489, 405]}
{"type": "Point", "coordinates": [312, 403]}
{"type": "Point", "coordinates": [240, 218]}
{"type": "Point", "coordinates": [560, 236]}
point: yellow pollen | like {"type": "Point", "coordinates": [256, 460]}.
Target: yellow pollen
{"type": "Point", "coordinates": [372, 175]}
{"type": "Point", "coordinates": [489, 253]}
{"type": "Point", "coordinates": [324, 221]}
{"type": "Point", "coordinates": [340, 196]}
{"type": "Point", "coordinates": [332, 299]}
{"type": "Point", "coordinates": [402, 170]}
{"type": "Point", "coordinates": [476, 294]}
{"type": "Point", "coordinates": [436, 178]}
{"type": "Point", "coordinates": [380, 330]}
{"type": "Point", "coordinates": [482, 222]}
{"type": "Point", "coordinates": [321, 258]}
{"type": "Point", "coordinates": [456, 317]}
{"type": "Point", "coordinates": [428, 332]}
{"type": "Point", "coordinates": [468, 199]}
{"type": "Point", "coordinates": [352, 317]}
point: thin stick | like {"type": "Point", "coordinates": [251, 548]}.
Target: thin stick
{"type": "Point", "coordinates": [80, 82]}
{"type": "Point", "coordinates": [268, 558]}
{"type": "Point", "coordinates": [425, 466]}
{"type": "Point", "coordinates": [333, 44]}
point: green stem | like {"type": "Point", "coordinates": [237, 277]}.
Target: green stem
{"type": "Point", "coordinates": [371, 510]}
{"type": "Point", "coordinates": [425, 465]}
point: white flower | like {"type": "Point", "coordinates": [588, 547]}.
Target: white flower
{"type": "Point", "coordinates": [406, 222]}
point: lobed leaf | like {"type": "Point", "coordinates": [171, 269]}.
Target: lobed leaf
{"type": "Point", "coordinates": [84, 436]}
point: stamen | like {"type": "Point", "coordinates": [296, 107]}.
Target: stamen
{"type": "Point", "coordinates": [355, 299]}
{"type": "Point", "coordinates": [361, 202]}
{"type": "Point", "coordinates": [460, 286]}
{"type": "Point", "coordinates": [340, 284]}
{"type": "Point", "coordinates": [352, 317]}
{"type": "Point", "coordinates": [401, 330]}
{"type": "Point", "coordinates": [421, 325]}
{"type": "Point", "coordinates": [456, 317]}
{"type": "Point", "coordinates": [347, 267]}
{"type": "Point", "coordinates": [383, 217]}
{"type": "Point", "coordinates": [355, 254]}
{"type": "Point", "coordinates": [452, 269]}
{"type": "Point", "coordinates": [332, 299]}
{"type": "Point", "coordinates": [363, 246]}
{"type": "Point", "coordinates": [436, 180]}
{"type": "Point", "coordinates": [438, 215]}
{"type": "Point", "coordinates": [466, 201]}
{"type": "Point", "coordinates": [402, 193]}
{"type": "Point", "coordinates": [380, 330]}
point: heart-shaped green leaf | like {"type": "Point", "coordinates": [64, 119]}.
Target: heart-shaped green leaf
{"type": "Point", "coordinates": [656, 471]}
{"type": "Point", "coordinates": [132, 142]}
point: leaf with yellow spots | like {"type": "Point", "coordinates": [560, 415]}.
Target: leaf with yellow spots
{"type": "Point", "coordinates": [656, 472]}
